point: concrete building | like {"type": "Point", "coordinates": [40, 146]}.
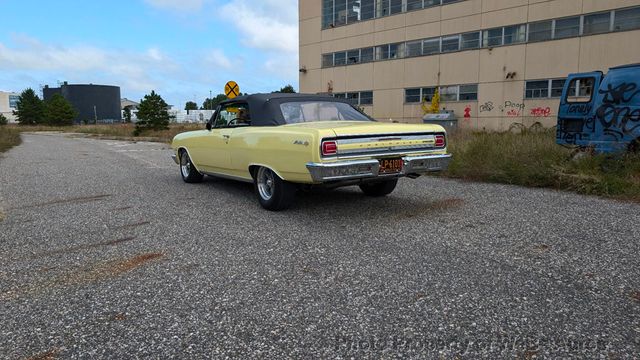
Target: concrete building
{"type": "Point", "coordinates": [94, 103]}
{"type": "Point", "coordinates": [496, 62]}
{"type": "Point", "coordinates": [8, 103]}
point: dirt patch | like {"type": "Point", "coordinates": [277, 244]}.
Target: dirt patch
{"type": "Point", "coordinates": [49, 355]}
{"type": "Point", "coordinates": [541, 248]}
{"type": "Point", "coordinates": [85, 275]}
{"type": "Point", "coordinates": [2, 215]}
{"type": "Point", "coordinates": [76, 200]}
{"type": "Point", "coordinates": [430, 207]}
{"type": "Point", "coordinates": [635, 296]}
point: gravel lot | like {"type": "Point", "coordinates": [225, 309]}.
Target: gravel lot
{"type": "Point", "coordinates": [106, 253]}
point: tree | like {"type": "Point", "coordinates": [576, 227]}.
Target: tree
{"type": "Point", "coordinates": [58, 111]}
{"type": "Point", "coordinates": [153, 114]}
{"type": "Point", "coordinates": [30, 109]}
{"type": "Point", "coordinates": [190, 105]}
{"type": "Point", "coordinates": [127, 113]}
{"type": "Point", "coordinates": [286, 90]}
{"type": "Point", "coordinates": [3, 120]}
{"type": "Point", "coordinates": [211, 104]}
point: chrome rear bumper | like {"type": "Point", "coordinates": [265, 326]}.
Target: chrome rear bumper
{"type": "Point", "coordinates": [366, 169]}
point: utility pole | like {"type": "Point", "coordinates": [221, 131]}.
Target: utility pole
{"type": "Point", "coordinates": [209, 104]}
{"type": "Point", "coordinates": [95, 114]}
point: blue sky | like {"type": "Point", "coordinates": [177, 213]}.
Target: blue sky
{"type": "Point", "coordinates": [181, 48]}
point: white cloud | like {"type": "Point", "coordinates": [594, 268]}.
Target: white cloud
{"type": "Point", "coordinates": [177, 5]}
{"type": "Point", "coordinates": [267, 24]}
{"type": "Point", "coordinates": [218, 59]}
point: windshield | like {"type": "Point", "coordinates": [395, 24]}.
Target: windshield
{"type": "Point", "coordinates": [308, 111]}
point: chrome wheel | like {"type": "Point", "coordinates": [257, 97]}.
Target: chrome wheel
{"type": "Point", "coordinates": [185, 165]}
{"type": "Point", "coordinates": [266, 183]}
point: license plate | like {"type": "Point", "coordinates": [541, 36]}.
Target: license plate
{"type": "Point", "coordinates": [391, 166]}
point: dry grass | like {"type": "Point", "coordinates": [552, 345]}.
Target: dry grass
{"type": "Point", "coordinates": [115, 131]}
{"type": "Point", "coordinates": [532, 158]}
{"type": "Point", "coordinates": [9, 137]}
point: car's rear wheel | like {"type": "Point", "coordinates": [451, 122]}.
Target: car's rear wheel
{"type": "Point", "coordinates": [187, 170]}
{"type": "Point", "coordinates": [273, 193]}
{"type": "Point", "coordinates": [381, 188]}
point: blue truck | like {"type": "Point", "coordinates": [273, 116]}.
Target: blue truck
{"type": "Point", "coordinates": [601, 112]}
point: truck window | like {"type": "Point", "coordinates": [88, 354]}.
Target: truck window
{"type": "Point", "coordinates": [580, 90]}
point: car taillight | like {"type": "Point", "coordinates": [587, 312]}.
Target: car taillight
{"type": "Point", "coordinates": [441, 141]}
{"type": "Point", "coordinates": [329, 148]}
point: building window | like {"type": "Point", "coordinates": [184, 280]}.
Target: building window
{"type": "Point", "coordinates": [451, 43]}
{"type": "Point", "coordinates": [556, 87]}
{"type": "Point", "coordinates": [492, 37]}
{"type": "Point", "coordinates": [327, 13]}
{"type": "Point", "coordinates": [396, 7]}
{"type": "Point", "coordinates": [565, 28]}
{"type": "Point", "coordinates": [468, 92]}
{"type": "Point", "coordinates": [414, 5]}
{"type": "Point", "coordinates": [627, 19]}
{"type": "Point", "coordinates": [543, 89]}
{"type": "Point", "coordinates": [431, 46]}
{"type": "Point", "coordinates": [427, 93]}
{"type": "Point", "coordinates": [430, 3]}
{"type": "Point", "coordinates": [327, 60]}
{"type": "Point", "coordinates": [471, 40]}
{"type": "Point", "coordinates": [597, 23]}
{"type": "Point", "coordinates": [356, 97]}
{"type": "Point", "coordinates": [13, 101]}
{"type": "Point", "coordinates": [515, 34]}
{"type": "Point", "coordinates": [395, 51]}
{"type": "Point", "coordinates": [366, 55]}
{"type": "Point", "coordinates": [412, 95]}
{"type": "Point", "coordinates": [353, 97]}
{"type": "Point", "coordinates": [537, 89]}
{"type": "Point", "coordinates": [449, 93]}
{"type": "Point", "coordinates": [340, 12]}
{"type": "Point", "coordinates": [340, 58]}
{"type": "Point", "coordinates": [540, 31]}
{"type": "Point", "coordinates": [414, 48]}
{"type": "Point", "coordinates": [353, 57]}
{"type": "Point", "coordinates": [366, 98]}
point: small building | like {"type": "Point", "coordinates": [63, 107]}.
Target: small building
{"type": "Point", "coordinates": [124, 102]}
{"type": "Point", "coordinates": [94, 103]}
{"type": "Point", "coordinates": [8, 104]}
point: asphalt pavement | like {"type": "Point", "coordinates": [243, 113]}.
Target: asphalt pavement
{"type": "Point", "coordinates": [106, 253]}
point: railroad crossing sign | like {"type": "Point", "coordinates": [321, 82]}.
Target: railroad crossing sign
{"type": "Point", "coordinates": [232, 90]}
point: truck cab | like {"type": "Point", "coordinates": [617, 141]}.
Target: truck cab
{"type": "Point", "coordinates": [601, 112]}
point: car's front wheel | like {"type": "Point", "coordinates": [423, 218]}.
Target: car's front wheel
{"type": "Point", "coordinates": [187, 170]}
{"type": "Point", "coordinates": [381, 188]}
{"type": "Point", "coordinates": [273, 193]}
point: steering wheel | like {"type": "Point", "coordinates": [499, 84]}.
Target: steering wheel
{"type": "Point", "coordinates": [233, 122]}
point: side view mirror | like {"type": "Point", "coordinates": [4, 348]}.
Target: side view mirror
{"type": "Point", "coordinates": [209, 126]}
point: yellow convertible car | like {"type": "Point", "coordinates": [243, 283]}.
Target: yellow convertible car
{"type": "Point", "coordinates": [280, 142]}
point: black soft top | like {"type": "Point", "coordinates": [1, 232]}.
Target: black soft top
{"type": "Point", "coordinates": [264, 109]}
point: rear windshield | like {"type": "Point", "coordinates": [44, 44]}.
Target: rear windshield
{"type": "Point", "coordinates": [307, 111]}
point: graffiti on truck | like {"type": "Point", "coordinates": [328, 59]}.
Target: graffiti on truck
{"type": "Point", "coordinates": [615, 116]}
